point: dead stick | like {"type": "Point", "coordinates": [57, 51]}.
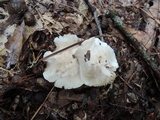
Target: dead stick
{"type": "Point", "coordinates": [151, 16]}
{"type": "Point", "coordinates": [42, 104]}
{"type": "Point", "coordinates": [119, 25]}
{"type": "Point", "coordinates": [61, 50]}
{"type": "Point", "coordinates": [95, 14]}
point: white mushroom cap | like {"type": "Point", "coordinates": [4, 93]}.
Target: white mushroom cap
{"type": "Point", "coordinates": [63, 68]}
{"type": "Point", "coordinates": [65, 40]}
{"type": "Point", "coordinates": [93, 63]}
{"type": "Point", "coordinates": [97, 62]}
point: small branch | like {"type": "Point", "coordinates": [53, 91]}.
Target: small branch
{"type": "Point", "coordinates": [11, 72]}
{"type": "Point", "coordinates": [119, 25]}
{"type": "Point", "coordinates": [151, 16]}
{"type": "Point", "coordinates": [42, 104]}
{"type": "Point", "coordinates": [134, 91]}
{"type": "Point", "coordinates": [117, 105]}
{"type": "Point", "coordinates": [95, 14]}
{"type": "Point", "coordinates": [61, 50]}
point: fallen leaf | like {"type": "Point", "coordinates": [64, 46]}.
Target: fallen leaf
{"type": "Point", "coordinates": [5, 14]}
{"type": "Point", "coordinates": [4, 38]}
{"type": "Point", "coordinates": [82, 7]}
{"type": "Point", "coordinates": [142, 37]}
{"type": "Point", "coordinates": [127, 3]}
{"type": "Point", "coordinates": [14, 45]}
{"type": "Point", "coordinates": [150, 15]}
{"type": "Point", "coordinates": [65, 97]}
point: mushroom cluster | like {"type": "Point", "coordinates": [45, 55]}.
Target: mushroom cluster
{"type": "Point", "coordinates": [93, 63]}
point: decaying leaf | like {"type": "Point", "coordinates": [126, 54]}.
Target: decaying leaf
{"type": "Point", "coordinates": [14, 45]}
{"type": "Point", "coordinates": [142, 37]}
{"type": "Point", "coordinates": [147, 37]}
{"type": "Point", "coordinates": [82, 7]}
{"type": "Point", "coordinates": [4, 38]}
{"type": "Point", "coordinates": [127, 2]}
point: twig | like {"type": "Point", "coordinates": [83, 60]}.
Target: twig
{"type": "Point", "coordinates": [61, 50]}
{"type": "Point", "coordinates": [151, 16]}
{"type": "Point", "coordinates": [119, 25]}
{"type": "Point", "coordinates": [134, 91]}
{"type": "Point", "coordinates": [103, 35]}
{"type": "Point", "coordinates": [42, 104]}
{"type": "Point", "coordinates": [94, 12]}
{"type": "Point", "coordinates": [5, 111]}
{"type": "Point", "coordinates": [40, 15]}
{"type": "Point", "coordinates": [126, 107]}
{"type": "Point", "coordinates": [11, 72]}
{"type": "Point", "coordinates": [54, 53]}
{"type": "Point", "coordinates": [43, 21]}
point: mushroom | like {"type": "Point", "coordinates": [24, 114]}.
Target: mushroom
{"type": "Point", "coordinates": [93, 63]}
{"type": "Point", "coordinates": [63, 68]}
{"type": "Point", "coordinates": [97, 62]}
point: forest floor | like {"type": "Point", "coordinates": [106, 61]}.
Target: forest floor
{"type": "Point", "coordinates": [27, 31]}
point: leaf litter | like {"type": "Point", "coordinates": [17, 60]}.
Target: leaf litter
{"type": "Point", "coordinates": [24, 91]}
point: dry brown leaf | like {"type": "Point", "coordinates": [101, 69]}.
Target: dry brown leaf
{"type": "Point", "coordinates": [51, 23]}
{"type": "Point", "coordinates": [141, 36]}
{"type": "Point", "coordinates": [4, 38]}
{"type": "Point", "coordinates": [14, 45]}
{"type": "Point", "coordinates": [78, 19]}
{"type": "Point", "coordinates": [128, 2]}
{"type": "Point", "coordinates": [148, 36]}
{"type": "Point", "coordinates": [29, 30]}
{"type": "Point", "coordinates": [82, 7]}
{"type": "Point", "coordinates": [65, 97]}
